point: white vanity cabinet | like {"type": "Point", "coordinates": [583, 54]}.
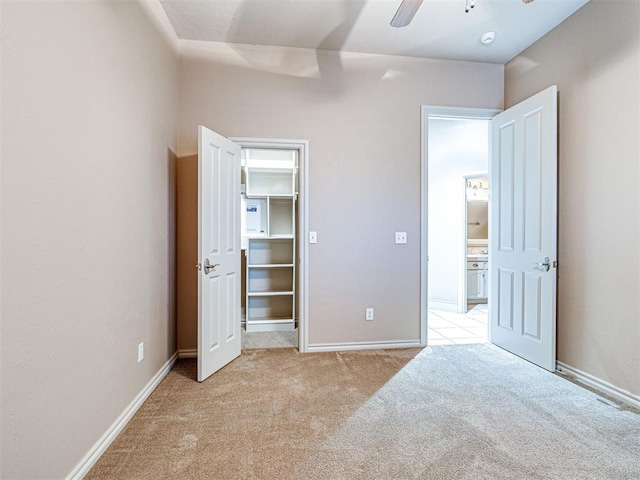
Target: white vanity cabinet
{"type": "Point", "coordinates": [476, 280]}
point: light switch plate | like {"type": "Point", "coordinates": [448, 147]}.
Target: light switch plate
{"type": "Point", "coordinates": [401, 237]}
{"type": "Point", "coordinates": [313, 237]}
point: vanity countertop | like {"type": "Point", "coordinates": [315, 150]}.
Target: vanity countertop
{"type": "Point", "coordinates": [477, 257]}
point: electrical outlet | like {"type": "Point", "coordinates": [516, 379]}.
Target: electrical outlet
{"type": "Point", "coordinates": [401, 237]}
{"type": "Point", "coordinates": [140, 351]}
{"type": "Point", "coordinates": [368, 314]}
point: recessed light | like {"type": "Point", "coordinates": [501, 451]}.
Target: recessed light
{"type": "Point", "coordinates": [487, 38]}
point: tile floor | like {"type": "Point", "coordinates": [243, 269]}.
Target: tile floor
{"type": "Point", "coordinates": [449, 328]}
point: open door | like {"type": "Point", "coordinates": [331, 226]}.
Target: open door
{"type": "Point", "coordinates": [219, 339]}
{"type": "Point", "coordinates": [523, 229]}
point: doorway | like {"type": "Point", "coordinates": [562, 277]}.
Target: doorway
{"type": "Point", "coordinates": [219, 244]}
{"type": "Point", "coordinates": [523, 223]}
{"type": "Point", "coordinates": [455, 173]}
{"type": "Point", "coordinates": [273, 228]}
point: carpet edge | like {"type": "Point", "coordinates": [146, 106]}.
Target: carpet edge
{"type": "Point", "coordinates": [96, 451]}
{"type": "Point", "coordinates": [598, 384]}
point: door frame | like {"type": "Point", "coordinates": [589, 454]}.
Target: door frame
{"type": "Point", "coordinates": [462, 287]}
{"type": "Point", "coordinates": [302, 146]}
{"type": "Point", "coordinates": [428, 111]}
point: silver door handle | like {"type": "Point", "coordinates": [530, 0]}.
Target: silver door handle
{"type": "Point", "coordinates": [208, 267]}
{"type": "Point", "coordinates": [545, 265]}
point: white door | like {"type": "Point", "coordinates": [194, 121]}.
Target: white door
{"type": "Point", "coordinates": [218, 252]}
{"type": "Point", "coordinates": [523, 235]}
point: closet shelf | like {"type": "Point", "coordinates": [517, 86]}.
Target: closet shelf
{"type": "Point", "coordinates": [271, 320]}
{"type": "Point", "coordinates": [271, 265]}
{"type": "Point", "coordinates": [272, 195]}
{"type": "Point", "coordinates": [260, 236]}
{"type": "Point", "coordinates": [272, 170]}
{"type": "Point", "coordinates": [270, 294]}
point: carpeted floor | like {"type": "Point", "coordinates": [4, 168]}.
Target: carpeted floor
{"type": "Point", "coordinates": [448, 412]}
{"type": "Point", "coordinates": [282, 339]}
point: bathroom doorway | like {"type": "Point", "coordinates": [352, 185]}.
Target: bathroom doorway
{"type": "Point", "coordinates": [458, 243]}
{"type": "Point", "coordinates": [523, 219]}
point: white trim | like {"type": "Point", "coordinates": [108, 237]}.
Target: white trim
{"type": "Point", "coordinates": [599, 384]}
{"type": "Point", "coordinates": [303, 216]}
{"type": "Point", "coordinates": [188, 353]}
{"type": "Point", "coordinates": [463, 274]}
{"type": "Point", "coordinates": [339, 347]}
{"type": "Point", "coordinates": [424, 221]}
{"type": "Point", "coordinates": [459, 112]}
{"type": "Point", "coordinates": [112, 432]}
{"type": "Point", "coordinates": [426, 112]}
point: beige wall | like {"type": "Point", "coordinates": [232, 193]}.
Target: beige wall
{"type": "Point", "coordinates": [89, 115]}
{"type": "Point", "coordinates": [187, 253]}
{"type": "Point", "coordinates": [361, 115]}
{"type": "Point", "coordinates": [594, 58]}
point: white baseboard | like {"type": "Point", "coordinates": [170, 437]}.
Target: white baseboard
{"type": "Point", "coordinates": [112, 432]}
{"type": "Point", "coordinates": [338, 347]}
{"type": "Point", "coordinates": [188, 353]}
{"type": "Point", "coordinates": [599, 384]}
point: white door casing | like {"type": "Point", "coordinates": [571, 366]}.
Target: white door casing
{"type": "Point", "coordinates": [302, 146]}
{"type": "Point", "coordinates": [523, 229]}
{"type": "Point", "coordinates": [219, 340]}
{"type": "Point", "coordinates": [427, 112]}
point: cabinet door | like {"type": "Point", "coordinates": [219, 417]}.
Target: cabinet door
{"type": "Point", "coordinates": [473, 284]}
{"type": "Point", "coordinates": [482, 283]}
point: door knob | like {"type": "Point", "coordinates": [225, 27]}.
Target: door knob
{"type": "Point", "coordinates": [208, 267]}
{"type": "Point", "coordinates": [545, 265]}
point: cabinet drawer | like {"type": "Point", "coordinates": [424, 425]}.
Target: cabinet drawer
{"type": "Point", "coordinates": [476, 265]}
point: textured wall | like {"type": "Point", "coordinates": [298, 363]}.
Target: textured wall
{"type": "Point", "coordinates": [361, 115]}
{"type": "Point", "coordinates": [89, 111]}
{"type": "Point", "coordinates": [599, 200]}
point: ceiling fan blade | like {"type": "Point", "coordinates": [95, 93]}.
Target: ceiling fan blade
{"type": "Point", "coordinates": [405, 13]}
{"type": "Point", "coordinates": [527, 1]}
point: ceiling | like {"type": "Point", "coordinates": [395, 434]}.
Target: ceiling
{"type": "Point", "coordinates": [440, 29]}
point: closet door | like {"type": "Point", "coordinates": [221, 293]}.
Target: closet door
{"type": "Point", "coordinates": [219, 273]}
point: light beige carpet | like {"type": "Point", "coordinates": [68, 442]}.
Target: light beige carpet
{"type": "Point", "coordinates": [450, 412]}
{"type": "Point", "coordinates": [283, 339]}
